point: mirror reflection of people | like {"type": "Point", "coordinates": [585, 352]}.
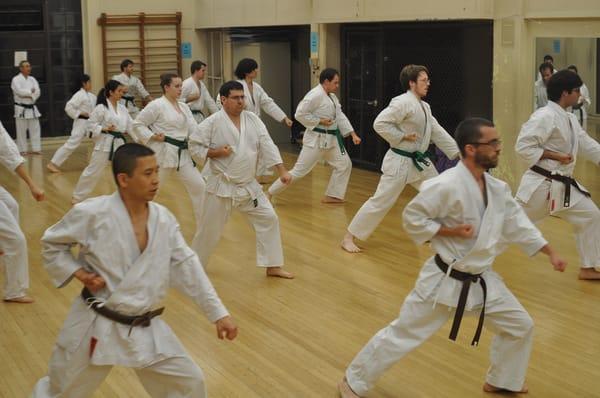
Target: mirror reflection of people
{"type": "Point", "coordinates": [547, 60]}
{"type": "Point", "coordinates": [539, 88]}
{"type": "Point", "coordinates": [581, 107]}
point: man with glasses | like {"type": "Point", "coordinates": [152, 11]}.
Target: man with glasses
{"type": "Point", "coordinates": [231, 141]}
{"type": "Point", "coordinates": [466, 214]}
{"type": "Point", "coordinates": [549, 142]}
{"type": "Point", "coordinates": [409, 127]}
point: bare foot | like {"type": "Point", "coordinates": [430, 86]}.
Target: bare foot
{"type": "Point", "coordinates": [20, 300]}
{"type": "Point", "coordinates": [345, 390]}
{"type": "Point", "coordinates": [490, 388]}
{"type": "Point", "coordinates": [278, 272]}
{"type": "Point", "coordinates": [589, 274]}
{"type": "Point", "coordinates": [349, 245]}
{"type": "Point", "coordinates": [331, 199]}
{"type": "Point", "coordinates": [53, 168]}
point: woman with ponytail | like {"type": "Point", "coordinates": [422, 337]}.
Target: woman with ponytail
{"type": "Point", "coordinates": [78, 108]}
{"type": "Point", "coordinates": [108, 124]}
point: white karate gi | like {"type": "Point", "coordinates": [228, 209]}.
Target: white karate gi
{"type": "Point", "coordinates": [586, 101]}
{"type": "Point", "coordinates": [231, 183]}
{"type": "Point", "coordinates": [27, 119]}
{"type": "Point", "coordinates": [135, 88]}
{"type": "Point", "coordinates": [317, 105]}
{"type": "Point", "coordinates": [100, 119]}
{"type": "Point", "coordinates": [405, 114]}
{"type": "Point", "coordinates": [255, 102]}
{"type": "Point", "coordinates": [552, 128]}
{"type": "Point", "coordinates": [451, 199]}
{"type": "Point", "coordinates": [203, 106]}
{"type": "Point", "coordinates": [160, 116]}
{"type": "Point", "coordinates": [81, 101]}
{"type": "Point", "coordinates": [12, 240]}
{"type": "Point", "coordinates": [540, 94]}
{"type": "Point", "coordinates": [135, 283]}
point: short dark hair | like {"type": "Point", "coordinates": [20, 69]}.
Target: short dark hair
{"type": "Point", "coordinates": [573, 68]}
{"type": "Point", "coordinates": [166, 79]}
{"type": "Point", "coordinates": [125, 63]}
{"type": "Point", "coordinates": [563, 80]}
{"type": "Point", "coordinates": [548, 57]}
{"type": "Point", "coordinates": [227, 87]}
{"type": "Point", "coordinates": [410, 73]}
{"type": "Point", "coordinates": [245, 66]}
{"type": "Point", "coordinates": [545, 65]}
{"type": "Point", "coordinates": [125, 158]}
{"type": "Point", "coordinates": [104, 93]}
{"type": "Point", "coordinates": [23, 62]}
{"type": "Point", "coordinates": [328, 74]}
{"type": "Point", "coordinates": [469, 131]}
{"type": "Point", "coordinates": [196, 65]}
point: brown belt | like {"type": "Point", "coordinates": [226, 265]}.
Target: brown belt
{"type": "Point", "coordinates": [131, 320]}
{"type": "Point", "coordinates": [466, 280]}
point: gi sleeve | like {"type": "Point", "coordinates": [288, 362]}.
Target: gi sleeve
{"type": "Point", "coordinates": [532, 137]}
{"type": "Point", "coordinates": [58, 240]}
{"type": "Point", "coordinates": [200, 138]}
{"type": "Point", "coordinates": [268, 151]}
{"type": "Point", "coordinates": [268, 105]}
{"type": "Point", "coordinates": [73, 106]}
{"type": "Point", "coordinates": [443, 140]}
{"type": "Point", "coordinates": [343, 123]}
{"type": "Point", "coordinates": [421, 214]}
{"type": "Point", "coordinates": [36, 94]}
{"type": "Point", "coordinates": [304, 111]}
{"type": "Point", "coordinates": [518, 228]}
{"type": "Point", "coordinates": [19, 88]}
{"type": "Point", "coordinates": [95, 122]}
{"type": "Point", "coordinates": [9, 152]}
{"type": "Point", "coordinates": [588, 147]}
{"type": "Point", "coordinates": [186, 90]}
{"type": "Point", "coordinates": [140, 131]}
{"type": "Point", "coordinates": [188, 276]}
{"type": "Point", "coordinates": [209, 103]}
{"type": "Point", "coordinates": [387, 123]}
{"type": "Point", "coordinates": [141, 89]}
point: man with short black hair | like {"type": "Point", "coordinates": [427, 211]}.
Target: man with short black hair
{"type": "Point", "coordinates": [326, 127]}
{"type": "Point", "coordinates": [134, 86]}
{"type": "Point", "coordinates": [231, 141]}
{"type": "Point", "coordinates": [26, 92]}
{"type": "Point", "coordinates": [549, 142]}
{"type": "Point", "coordinates": [409, 127]}
{"type": "Point", "coordinates": [467, 215]}
{"type": "Point", "coordinates": [580, 109]}
{"type": "Point", "coordinates": [195, 94]}
{"type": "Point", "coordinates": [131, 252]}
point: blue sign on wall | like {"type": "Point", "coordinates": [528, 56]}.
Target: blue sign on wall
{"type": "Point", "coordinates": [314, 42]}
{"type": "Point", "coordinates": [186, 50]}
{"type": "Point", "coordinates": [556, 46]}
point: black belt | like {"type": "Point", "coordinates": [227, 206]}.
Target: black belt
{"type": "Point", "coordinates": [143, 320]}
{"type": "Point", "coordinates": [128, 100]}
{"type": "Point", "coordinates": [181, 144]}
{"type": "Point", "coordinates": [196, 112]}
{"type": "Point", "coordinates": [83, 117]}
{"type": "Point", "coordinates": [25, 106]}
{"type": "Point", "coordinates": [568, 181]}
{"type": "Point", "coordinates": [466, 280]}
{"type": "Point", "coordinates": [115, 135]}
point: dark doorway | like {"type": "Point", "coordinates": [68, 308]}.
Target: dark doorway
{"type": "Point", "coordinates": [50, 32]}
{"type": "Point", "coordinates": [459, 55]}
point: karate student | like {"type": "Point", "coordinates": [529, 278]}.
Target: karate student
{"type": "Point", "coordinates": [26, 92]}
{"type": "Point", "coordinates": [164, 125]}
{"type": "Point", "coordinates": [580, 109]}
{"type": "Point", "coordinates": [548, 59]}
{"type": "Point", "coordinates": [79, 108]}
{"type": "Point", "coordinates": [195, 94]}
{"type": "Point", "coordinates": [326, 126]}
{"type": "Point", "coordinates": [409, 127]}
{"type": "Point", "coordinates": [13, 245]}
{"type": "Point", "coordinates": [232, 140]}
{"type": "Point", "coordinates": [131, 252]}
{"type": "Point", "coordinates": [466, 214]}
{"type": "Point", "coordinates": [108, 126]}
{"type": "Point", "coordinates": [540, 95]}
{"type": "Point", "coordinates": [133, 88]}
{"type": "Point", "coordinates": [550, 142]}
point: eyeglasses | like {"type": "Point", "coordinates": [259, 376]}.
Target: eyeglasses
{"type": "Point", "coordinates": [236, 97]}
{"type": "Point", "coordinates": [495, 143]}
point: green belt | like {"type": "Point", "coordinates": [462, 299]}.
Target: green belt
{"type": "Point", "coordinates": [115, 135]}
{"type": "Point", "coordinates": [338, 135]}
{"type": "Point", "coordinates": [417, 157]}
{"type": "Point", "coordinates": [181, 144]}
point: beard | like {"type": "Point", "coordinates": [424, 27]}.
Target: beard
{"type": "Point", "coordinates": [486, 162]}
